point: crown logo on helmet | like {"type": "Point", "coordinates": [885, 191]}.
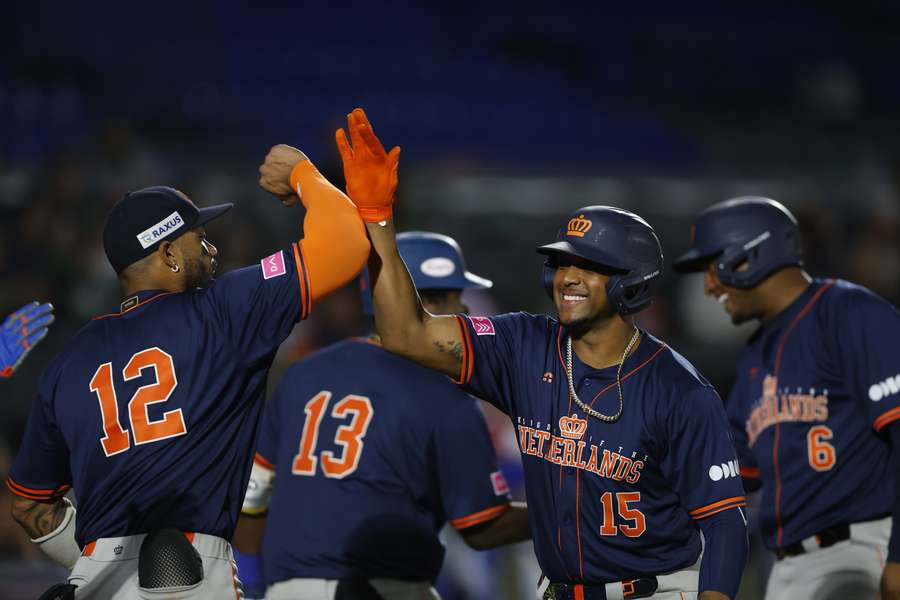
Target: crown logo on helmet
{"type": "Point", "coordinates": [578, 226]}
{"type": "Point", "coordinates": [572, 427]}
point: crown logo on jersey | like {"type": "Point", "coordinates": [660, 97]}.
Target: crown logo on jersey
{"type": "Point", "coordinates": [572, 427]}
{"type": "Point", "coordinates": [578, 226]}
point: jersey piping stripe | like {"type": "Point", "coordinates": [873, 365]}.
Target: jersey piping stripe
{"type": "Point", "coordinates": [303, 278]}
{"type": "Point", "coordinates": [717, 507]}
{"type": "Point", "coordinates": [38, 495]}
{"type": "Point", "coordinates": [629, 374]}
{"type": "Point", "coordinates": [886, 418]}
{"type": "Point", "coordinates": [487, 514]}
{"type": "Point", "coordinates": [465, 366]}
{"type": "Point", "coordinates": [261, 460]}
{"type": "Point", "coordinates": [578, 520]}
{"type": "Point", "coordinates": [579, 592]}
{"type": "Point", "coordinates": [128, 310]}
{"type": "Point", "coordinates": [776, 438]}
{"type": "Point", "coordinates": [750, 472]}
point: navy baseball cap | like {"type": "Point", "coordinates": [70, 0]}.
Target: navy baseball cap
{"type": "Point", "coordinates": [140, 220]}
{"type": "Point", "coordinates": [435, 262]}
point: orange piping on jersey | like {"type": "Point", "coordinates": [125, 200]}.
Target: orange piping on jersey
{"type": "Point", "coordinates": [717, 507]}
{"type": "Point", "coordinates": [189, 536]}
{"type": "Point", "coordinates": [33, 494]}
{"type": "Point", "coordinates": [303, 278]}
{"type": "Point", "coordinates": [750, 472]}
{"type": "Point", "coordinates": [488, 514]}
{"type": "Point", "coordinates": [886, 418]}
{"type": "Point", "coordinates": [89, 548]}
{"type": "Point", "coordinates": [263, 461]}
{"type": "Point", "coordinates": [784, 337]}
{"type": "Point", "coordinates": [629, 374]}
{"type": "Point", "coordinates": [466, 360]}
{"type": "Point", "coordinates": [128, 310]}
{"type": "Point", "coordinates": [578, 522]}
{"type": "Point", "coordinates": [565, 370]}
{"type": "Point", "coordinates": [579, 592]}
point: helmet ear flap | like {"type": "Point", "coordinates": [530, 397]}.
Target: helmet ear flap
{"type": "Point", "coordinates": [628, 293]}
{"type": "Point", "coordinates": [548, 271]}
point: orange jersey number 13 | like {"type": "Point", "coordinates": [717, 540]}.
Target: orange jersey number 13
{"type": "Point", "coordinates": [115, 439]}
{"type": "Point", "coordinates": [349, 436]}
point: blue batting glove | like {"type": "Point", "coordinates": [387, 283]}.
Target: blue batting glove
{"type": "Point", "coordinates": [20, 332]}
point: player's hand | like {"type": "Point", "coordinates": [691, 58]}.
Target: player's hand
{"type": "Point", "coordinates": [275, 172]}
{"type": "Point", "coordinates": [371, 173]}
{"type": "Point", "coordinates": [20, 332]}
{"type": "Point", "coordinates": [890, 581]}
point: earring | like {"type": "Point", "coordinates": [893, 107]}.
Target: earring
{"type": "Point", "coordinates": [175, 269]}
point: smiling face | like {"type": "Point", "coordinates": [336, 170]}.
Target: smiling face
{"type": "Point", "coordinates": [741, 305]}
{"type": "Point", "coordinates": [579, 291]}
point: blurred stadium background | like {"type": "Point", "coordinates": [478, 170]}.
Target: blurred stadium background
{"type": "Point", "coordinates": [509, 116]}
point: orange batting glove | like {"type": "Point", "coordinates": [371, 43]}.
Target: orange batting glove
{"type": "Point", "coordinates": [371, 173]}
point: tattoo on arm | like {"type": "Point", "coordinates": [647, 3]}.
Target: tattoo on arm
{"type": "Point", "coordinates": [451, 347]}
{"type": "Point", "coordinates": [38, 518]}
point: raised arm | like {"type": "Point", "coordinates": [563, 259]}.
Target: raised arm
{"type": "Point", "coordinates": [405, 327]}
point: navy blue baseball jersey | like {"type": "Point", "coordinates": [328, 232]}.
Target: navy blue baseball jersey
{"type": "Point", "coordinates": [812, 385]}
{"type": "Point", "coordinates": [372, 454]}
{"type": "Point", "coordinates": [607, 501]}
{"type": "Point", "coordinates": [151, 413]}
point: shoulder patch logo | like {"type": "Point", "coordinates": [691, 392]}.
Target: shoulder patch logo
{"type": "Point", "coordinates": [273, 266]}
{"type": "Point", "coordinates": [482, 325]}
{"type": "Point", "coordinates": [724, 471]}
{"type": "Point", "coordinates": [883, 389]}
{"type": "Point", "coordinates": [498, 481]}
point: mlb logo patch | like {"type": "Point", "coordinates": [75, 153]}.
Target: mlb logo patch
{"type": "Point", "coordinates": [482, 325]}
{"type": "Point", "coordinates": [501, 488]}
{"type": "Point", "coordinates": [273, 266]}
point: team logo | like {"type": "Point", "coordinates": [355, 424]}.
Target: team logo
{"type": "Point", "coordinates": [883, 389]}
{"type": "Point", "coordinates": [273, 266]}
{"type": "Point", "coordinates": [437, 267]}
{"type": "Point", "coordinates": [548, 377]}
{"type": "Point", "coordinates": [578, 226]}
{"type": "Point", "coordinates": [161, 230]}
{"type": "Point", "coordinates": [482, 325]}
{"type": "Point", "coordinates": [498, 482]}
{"type": "Point", "coordinates": [118, 550]}
{"type": "Point", "coordinates": [724, 471]}
{"type": "Point", "coordinates": [572, 427]}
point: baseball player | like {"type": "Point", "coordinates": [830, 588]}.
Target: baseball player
{"type": "Point", "coordinates": [626, 448]}
{"type": "Point", "coordinates": [150, 413]}
{"type": "Point", "coordinates": [815, 404]}
{"type": "Point", "coordinates": [370, 456]}
{"type": "Point", "coordinates": [20, 333]}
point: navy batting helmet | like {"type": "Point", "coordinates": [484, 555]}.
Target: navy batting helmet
{"type": "Point", "coordinates": [751, 230]}
{"type": "Point", "coordinates": [435, 262]}
{"type": "Point", "coordinates": [617, 240]}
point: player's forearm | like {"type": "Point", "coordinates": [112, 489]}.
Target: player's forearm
{"type": "Point", "coordinates": [724, 555]}
{"type": "Point", "coordinates": [510, 527]}
{"type": "Point", "coordinates": [249, 533]}
{"type": "Point", "coordinates": [403, 324]}
{"type": "Point", "coordinates": [334, 246]}
{"type": "Point", "coordinates": [38, 518]}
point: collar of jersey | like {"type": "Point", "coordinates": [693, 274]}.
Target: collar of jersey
{"type": "Point", "coordinates": [647, 345]}
{"type": "Point", "coordinates": [793, 308]}
{"type": "Point", "coordinates": [135, 300]}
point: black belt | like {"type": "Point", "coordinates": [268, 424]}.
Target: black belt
{"type": "Point", "coordinates": [644, 587]}
{"type": "Point", "coordinates": [825, 538]}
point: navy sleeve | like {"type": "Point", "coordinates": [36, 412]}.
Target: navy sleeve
{"type": "Point", "coordinates": [41, 469]}
{"type": "Point", "coordinates": [724, 552]}
{"type": "Point", "coordinates": [267, 442]}
{"type": "Point", "coordinates": [472, 487]}
{"type": "Point", "coordinates": [701, 464]}
{"type": "Point", "coordinates": [258, 306]}
{"type": "Point", "coordinates": [868, 338]}
{"type": "Point", "coordinates": [492, 347]}
{"type": "Point", "coordinates": [749, 469]}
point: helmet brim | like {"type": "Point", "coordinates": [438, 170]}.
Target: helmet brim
{"type": "Point", "coordinates": [565, 247]}
{"type": "Point", "coordinates": [209, 213]}
{"type": "Point", "coordinates": [693, 261]}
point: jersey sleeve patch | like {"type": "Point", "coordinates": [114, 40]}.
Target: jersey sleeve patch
{"type": "Point", "coordinates": [35, 494]}
{"type": "Point", "coordinates": [886, 418]}
{"type": "Point", "coordinates": [717, 507]}
{"type": "Point", "coordinates": [273, 265]}
{"type": "Point", "coordinates": [483, 516]}
{"type": "Point", "coordinates": [498, 481]}
{"type": "Point", "coordinates": [482, 326]}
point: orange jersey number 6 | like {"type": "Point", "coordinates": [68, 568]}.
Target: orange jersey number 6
{"type": "Point", "coordinates": [115, 438]}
